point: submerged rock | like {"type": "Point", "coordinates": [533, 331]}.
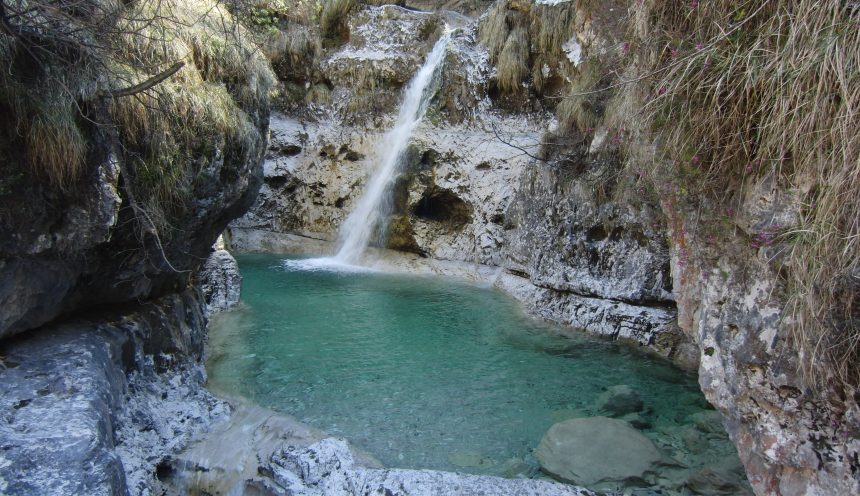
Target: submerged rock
{"type": "Point", "coordinates": [471, 460]}
{"type": "Point", "coordinates": [619, 400]}
{"type": "Point", "coordinates": [709, 481]}
{"type": "Point", "coordinates": [598, 450]}
{"type": "Point", "coordinates": [229, 455]}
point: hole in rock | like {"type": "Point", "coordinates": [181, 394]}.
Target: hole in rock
{"type": "Point", "coordinates": [442, 205]}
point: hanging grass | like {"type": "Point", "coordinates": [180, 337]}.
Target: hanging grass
{"type": "Point", "coordinates": [773, 87]}
{"type": "Point", "coordinates": [167, 131]}
{"type": "Point", "coordinates": [583, 108]}
{"type": "Point", "coordinates": [333, 19]}
{"type": "Point", "coordinates": [525, 40]}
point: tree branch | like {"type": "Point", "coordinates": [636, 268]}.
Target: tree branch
{"type": "Point", "coordinates": [149, 83]}
{"type": "Point", "coordinates": [504, 142]}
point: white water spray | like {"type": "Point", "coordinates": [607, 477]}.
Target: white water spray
{"type": "Point", "coordinates": [372, 208]}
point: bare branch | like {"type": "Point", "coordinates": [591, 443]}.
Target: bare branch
{"type": "Point", "coordinates": [149, 83]}
{"type": "Point", "coordinates": [508, 143]}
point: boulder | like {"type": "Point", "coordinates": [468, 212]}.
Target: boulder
{"type": "Point", "coordinates": [597, 450]}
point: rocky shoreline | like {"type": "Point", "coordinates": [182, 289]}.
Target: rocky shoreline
{"type": "Point", "coordinates": [116, 403]}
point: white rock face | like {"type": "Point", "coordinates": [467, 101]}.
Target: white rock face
{"type": "Point", "coordinates": [327, 468]}
{"type": "Point", "coordinates": [220, 280]}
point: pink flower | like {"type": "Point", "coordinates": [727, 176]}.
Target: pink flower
{"type": "Point", "coordinates": [674, 53]}
{"type": "Point", "coordinates": [700, 46]}
{"type": "Point", "coordinates": [662, 90]}
{"type": "Point", "coordinates": [694, 4]}
{"type": "Point", "coordinates": [749, 167]}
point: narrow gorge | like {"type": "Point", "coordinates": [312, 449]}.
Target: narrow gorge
{"type": "Point", "coordinates": [525, 247]}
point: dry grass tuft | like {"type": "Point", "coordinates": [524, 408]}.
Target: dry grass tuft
{"type": "Point", "coordinates": [333, 19]}
{"type": "Point", "coordinates": [750, 88]}
{"type": "Point", "coordinates": [293, 51]}
{"type": "Point", "coordinates": [512, 67]}
{"type": "Point", "coordinates": [554, 26]}
{"type": "Point", "coordinates": [583, 108]}
{"type": "Point", "coordinates": [525, 39]}
{"type": "Point", "coordinates": [493, 30]}
{"type": "Point", "coordinates": [56, 146]}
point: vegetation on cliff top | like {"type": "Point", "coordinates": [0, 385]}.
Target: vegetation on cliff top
{"type": "Point", "coordinates": [742, 90]}
{"type": "Point", "coordinates": [177, 81]}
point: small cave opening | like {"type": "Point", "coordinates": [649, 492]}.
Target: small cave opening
{"type": "Point", "coordinates": [443, 206]}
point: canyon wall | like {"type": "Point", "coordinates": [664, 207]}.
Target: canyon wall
{"type": "Point", "coordinates": [526, 164]}
{"type": "Point", "coordinates": [116, 181]}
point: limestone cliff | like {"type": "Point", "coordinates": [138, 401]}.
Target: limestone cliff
{"type": "Point", "coordinates": [537, 157]}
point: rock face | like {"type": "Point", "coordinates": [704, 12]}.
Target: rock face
{"type": "Point", "coordinates": [598, 451]}
{"type": "Point", "coordinates": [328, 468]}
{"type": "Point", "coordinates": [220, 280]}
{"type": "Point", "coordinates": [89, 251]}
{"type": "Point", "coordinates": [790, 440]}
{"type": "Point", "coordinates": [93, 405]}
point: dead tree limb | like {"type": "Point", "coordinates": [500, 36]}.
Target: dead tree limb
{"type": "Point", "coordinates": [149, 83]}
{"type": "Point", "coordinates": [508, 143]}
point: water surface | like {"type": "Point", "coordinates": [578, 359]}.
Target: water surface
{"type": "Point", "coordinates": [429, 372]}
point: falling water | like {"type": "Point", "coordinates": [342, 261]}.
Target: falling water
{"type": "Point", "coordinates": [372, 208]}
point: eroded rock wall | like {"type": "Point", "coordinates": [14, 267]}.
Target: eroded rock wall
{"type": "Point", "coordinates": [95, 404]}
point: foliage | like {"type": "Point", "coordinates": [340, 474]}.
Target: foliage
{"type": "Point", "coordinates": [333, 19]}
{"type": "Point", "coordinates": [69, 80]}
{"type": "Point", "coordinates": [582, 109]}
{"type": "Point", "coordinates": [773, 87]}
{"type": "Point", "coordinates": [526, 39]}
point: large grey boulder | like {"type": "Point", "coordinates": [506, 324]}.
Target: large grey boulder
{"type": "Point", "coordinates": [598, 450]}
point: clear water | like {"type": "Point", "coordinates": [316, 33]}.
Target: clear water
{"type": "Point", "coordinates": [429, 372]}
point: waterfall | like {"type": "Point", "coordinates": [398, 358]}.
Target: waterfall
{"type": "Point", "coordinates": [373, 208]}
